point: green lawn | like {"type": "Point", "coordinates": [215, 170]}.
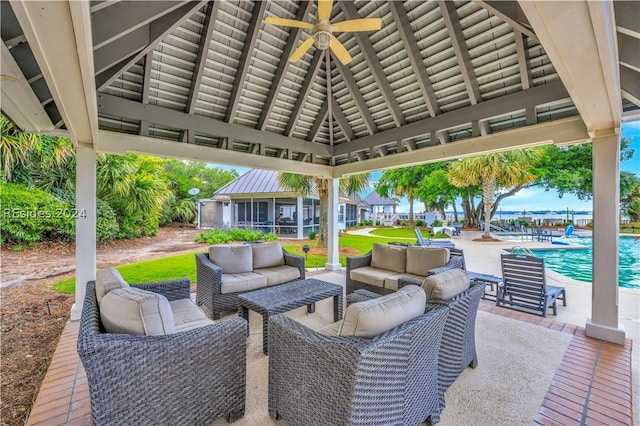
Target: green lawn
{"type": "Point", "coordinates": [394, 232]}
{"type": "Point", "coordinates": [184, 265]}
{"type": "Point", "coordinates": [166, 268]}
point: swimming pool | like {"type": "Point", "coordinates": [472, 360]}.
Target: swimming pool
{"type": "Point", "coordinates": [577, 263]}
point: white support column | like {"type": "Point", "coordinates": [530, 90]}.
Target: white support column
{"type": "Point", "coordinates": [333, 257]}
{"type": "Point", "coordinates": [85, 224]}
{"type": "Point", "coordinates": [603, 323]}
{"type": "Point", "coordinates": [299, 220]}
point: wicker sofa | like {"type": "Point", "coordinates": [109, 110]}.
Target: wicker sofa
{"type": "Point", "coordinates": [380, 269]}
{"type": "Point", "coordinates": [318, 377]}
{"type": "Point", "coordinates": [230, 270]}
{"type": "Point", "coordinates": [184, 378]}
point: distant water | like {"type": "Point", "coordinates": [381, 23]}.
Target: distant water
{"type": "Point", "coordinates": [580, 218]}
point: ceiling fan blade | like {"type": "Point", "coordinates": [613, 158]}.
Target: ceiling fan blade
{"type": "Point", "coordinates": [301, 50]}
{"type": "Point", "coordinates": [288, 22]}
{"type": "Point", "coordinates": [339, 50]}
{"type": "Point", "coordinates": [324, 9]}
{"type": "Point", "coordinates": [366, 24]}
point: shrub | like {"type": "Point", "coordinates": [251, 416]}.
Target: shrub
{"type": "Point", "coordinates": [419, 222]}
{"type": "Point", "coordinates": [312, 235]}
{"type": "Point", "coordinates": [107, 227]}
{"type": "Point", "coordinates": [270, 237]}
{"type": "Point", "coordinates": [437, 223]}
{"type": "Point", "coordinates": [32, 215]}
{"type": "Point", "coordinates": [227, 235]}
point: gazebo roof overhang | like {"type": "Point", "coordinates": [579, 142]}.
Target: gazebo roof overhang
{"type": "Point", "coordinates": [210, 81]}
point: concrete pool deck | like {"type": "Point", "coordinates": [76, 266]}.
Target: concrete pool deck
{"type": "Point", "coordinates": [484, 257]}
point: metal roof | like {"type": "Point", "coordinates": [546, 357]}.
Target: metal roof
{"type": "Point", "coordinates": [374, 199]}
{"type": "Point", "coordinates": [254, 181]}
{"type": "Point", "coordinates": [213, 75]}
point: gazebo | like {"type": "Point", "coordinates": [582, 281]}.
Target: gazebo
{"type": "Point", "coordinates": [210, 81]}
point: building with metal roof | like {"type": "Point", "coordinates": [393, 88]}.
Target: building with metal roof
{"type": "Point", "coordinates": [256, 200]}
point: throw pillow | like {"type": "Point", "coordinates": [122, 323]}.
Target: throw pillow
{"type": "Point", "coordinates": [135, 311]}
{"type": "Point", "coordinates": [390, 258]}
{"type": "Point", "coordinates": [376, 316]}
{"type": "Point", "coordinates": [106, 280]}
{"type": "Point", "coordinates": [233, 259]}
{"type": "Point", "coordinates": [420, 260]}
{"type": "Point", "coordinates": [447, 284]}
{"type": "Point", "coordinates": [267, 255]}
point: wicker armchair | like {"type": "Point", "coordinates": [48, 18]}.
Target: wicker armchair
{"type": "Point", "coordinates": [391, 379]}
{"type": "Point", "coordinates": [458, 349]}
{"type": "Point", "coordinates": [186, 378]}
{"type": "Point", "coordinates": [209, 275]}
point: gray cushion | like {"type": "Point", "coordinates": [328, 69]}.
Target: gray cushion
{"type": "Point", "coordinates": [108, 279]}
{"type": "Point", "coordinates": [131, 310]}
{"type": "Point", "coordinates": [420, 260]}
{"type": "Point", "coordinates": [370, 275]}
{"type": "Point", "coordinates": [279, 274]}
{"type": "Point", "coordinates": [232, 259]}
{"type": "Point", "coordinates": [391, 258]}
{"type": "Point", "coordinates": [267, 255]}
{"type": "Point", "coordinates": [187, 315]}
{"type": "Point", "coordinates": [233, 283]}
{"type": "Point", "coordinates": [376, 316]}
{"type": "Point", "coordinates": [447, 284]}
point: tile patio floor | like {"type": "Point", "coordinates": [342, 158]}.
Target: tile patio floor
{"type": "Point", "coordinates": [591, 387]}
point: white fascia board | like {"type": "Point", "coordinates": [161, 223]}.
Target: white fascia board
{"type": "Point", "coordinates": [580, 39]}
{"type": "Point", "coordinates": [18, 100]}
{"type": "Point", "coordinates": [560, 132]}
{"type": "Point", "coordinates": [49, 28]}
{"type": "Point", "coordinates": [119, 143]}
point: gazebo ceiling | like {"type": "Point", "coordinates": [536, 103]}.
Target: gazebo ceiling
{"type": "Point", "coordinates": [210, 80]}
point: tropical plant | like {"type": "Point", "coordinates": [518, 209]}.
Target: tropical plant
{"type": "Point", "coordinates": [397, 183]}
{"type": "Point", "coordinates": [509, 170]}
{"type": "Point", "coordinates": [305, 185]}
{"type": "Point", "coordinates": [15, 146]}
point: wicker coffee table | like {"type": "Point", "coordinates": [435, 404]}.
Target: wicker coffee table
{"type": "Point", "coordinates": [285, 297]}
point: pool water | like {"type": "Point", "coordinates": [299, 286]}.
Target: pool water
{"type": "Point", "coordinates": [577, 263]}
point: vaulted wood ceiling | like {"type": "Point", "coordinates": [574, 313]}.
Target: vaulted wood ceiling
{"type": "Point", "coordinates": [209, 80]}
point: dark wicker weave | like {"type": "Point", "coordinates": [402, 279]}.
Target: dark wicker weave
{"type": "Point", "coordinates": [456, 260]}
{"type": "Point", "coordinates": [391, 379]}
{"type": "Point", "coordinates": [208, 290]}
{"type": "Point", "coordinates": [283, 298]}
{"type": "Point", "coordinates": [458, 349]}
{"type": "Point", "coordinates": [187, 378]}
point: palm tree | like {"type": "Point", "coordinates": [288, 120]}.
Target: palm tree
{"type": "Point", "coordinates": [504, 169]}
{"type": "Point", "coordinates": [304, 185]}
{"type": "Point", "coordinates": [401, 183]}
{"type": "Point", "coordinates": [15, 146]}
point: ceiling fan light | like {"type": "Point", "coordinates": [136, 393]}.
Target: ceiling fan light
{"type": "Point", "coordinates": [322, 39]}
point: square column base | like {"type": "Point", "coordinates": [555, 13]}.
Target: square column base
{"type": "Point", "coordinates": [76, 311]}
{"type": "Point", "coordinates": [332, 266]}
{"type": "Point", "coordinates": [603, 332]}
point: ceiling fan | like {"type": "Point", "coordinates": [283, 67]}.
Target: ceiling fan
{"type": "Point", "coordinates": [322, 31]}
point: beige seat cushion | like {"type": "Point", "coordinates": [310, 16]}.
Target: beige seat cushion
{"type": "Point", "coordinates": [108, 279]}
{"type": "Point", "coordinates": [233, 283]}
{"type": "Point", "coordinates": [131, 310]}
{"type": "Point", "coordinates": [370, 275]}
{"type": "Point", "coordinates": [279, 274]}
{"type": "Point", "coordinates": [267, 255]}
{"type": "Point", "coordinates": [420, 260]}
{"type": "Point", "coordinates": [446, 285]}
{"type": "Point", "coordinates": [376, 316]}
{"type": "Point", "coordinates": [232, 259]}
{"type": "Point", "coordinates": [391, 281]}
{"type": "Point", "coordinates": [391, 258]}
{"type": "Point", "coordinates": [187, 315]}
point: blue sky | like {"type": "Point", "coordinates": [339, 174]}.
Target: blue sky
{"type": "Point", "coordinates": [538, 199]}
